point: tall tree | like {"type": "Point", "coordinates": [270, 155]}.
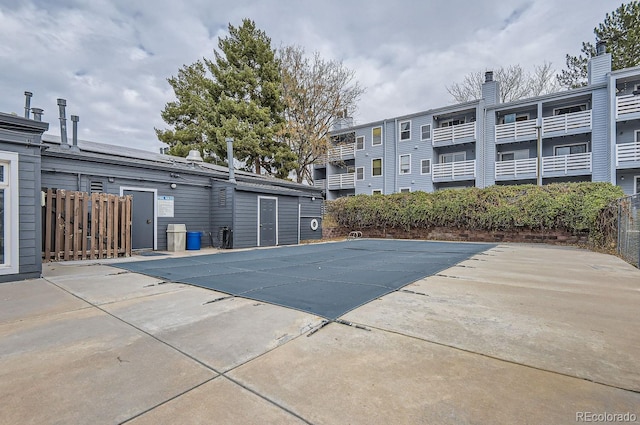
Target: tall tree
{"type": "Point", "coordinates": [239, 97]}
{"type": "Point", "coordinates": [620, 30]}
{"type": "Point", "coordinates": [515, 83]}
{"type": "Point", "coordinates": [316, 92]}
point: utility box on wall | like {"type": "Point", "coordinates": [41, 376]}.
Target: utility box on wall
{"type": "Point", "coordinates": [176, 237]}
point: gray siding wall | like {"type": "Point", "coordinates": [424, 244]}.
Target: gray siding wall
{"type": "Point", "coordinates": [245, 227]}
{"type": "Point", "coordinates": [192, 196]}
{"type": "Point", "coordinates": [287, 220]}
{"type": "Point", "coordinates": [601, 156]}
{"type": "Point", "coordinates": [626, 180]}
{"type": "Point", "coordinates": [245, 219]}
{"type": "Point", "coordinates": [29, 210]}
{"type": "Point", "coordinates": [490, 150]}
{"type": "Point", "coordinates": [598, 67]}
{"type": "Point", "coordinates": [390, 157]}
{"type": "Point", "coordinates": [222, 207]}
{"type": "Point", "coordinates": [309, 210]}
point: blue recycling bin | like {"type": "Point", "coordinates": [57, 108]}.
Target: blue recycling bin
{"type": "Point", "coordinates": [194, 240]}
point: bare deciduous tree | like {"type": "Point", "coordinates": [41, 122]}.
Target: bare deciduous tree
{"type": "Point", "coordinates": [315, 93]}
{"type": "Point", "coordinates": [515, 83]}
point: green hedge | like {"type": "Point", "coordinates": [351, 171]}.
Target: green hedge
{"type": "Point", "coordinates": [572, 207]}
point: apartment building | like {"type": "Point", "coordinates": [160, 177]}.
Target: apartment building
{"type": "Point", "coordinates": [586, 134]}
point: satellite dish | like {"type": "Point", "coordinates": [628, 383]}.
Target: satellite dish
{"type": "Point", "coordinates": [194, 156]}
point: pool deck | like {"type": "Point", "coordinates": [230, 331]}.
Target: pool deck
{"type": "Point", "coordinates": [516, 334]}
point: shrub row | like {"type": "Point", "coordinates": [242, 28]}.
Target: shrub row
{"type": "Point", "coordinates": [572, 207]}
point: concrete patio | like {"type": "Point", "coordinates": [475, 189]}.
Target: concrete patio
{"type": "Point", "coordinates": [516, 334]}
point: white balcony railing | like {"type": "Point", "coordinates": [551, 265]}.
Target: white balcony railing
{"type": "Point", "coordinates": [320, 183]}
{"type": "Point", "coordinates": [519, 130]}
{"type": "Point", "coordinates": [566, 164]}
{"type": "Point", "coordinates": [342, 152]}
{"type": "Point", "coordinates": [567, 122]}
{"type": "Point", "coordinates": [626, 105]}
{"type": "Point", "coordinates": [627, 152]}
{"type": "Point", "coordinates": [454, 170]}
{"type": "Point", "coordinates": [454, 133]}
{"type": "Point", "coordinates": [342, 181]}
{"type": "Point", "coordinates": [517, 167]}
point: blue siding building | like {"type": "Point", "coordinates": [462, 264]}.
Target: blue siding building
{"type": "Point", "coordinates": [587, 134]}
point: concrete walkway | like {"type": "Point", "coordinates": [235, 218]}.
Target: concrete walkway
{"type": "Point", "coordinates": [518, 334]}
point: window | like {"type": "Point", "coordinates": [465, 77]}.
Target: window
{"type": "Point", "coordinates": [510, 156]}
{"type": "Point", "coordinates": [405, 164]}
{"type": "Point", "coordinates": [509, 118]}
{"type": "Point", "coordinates": [446, 158]}
{"type": "Point", "coordinates": [405, 189]}
{"type": "Point", "coordinates": [570, 109]}
{"type": "Point", "coordinates": [636, 185]}
{"type": "Point", "coordinates": [425, 132]}
{"type": "Point", "coordinates": [376, 136]}
{"type": "Point", "coordinates": [405, 130]}
{"type": "Point", "coordinates": [637, 136]}
{"type": "Point", "coordinates": [570, 149]}
{"type": "Point", "coordinates": [376, 167]}
{"type": "Point", "coordinates": [360, 173]}
{"type": "Point", "coordinates": [376, 192]}
{"type": "Point", "coordinates": [360, 143]}
{"type": "Point", "coordinates": [9, 219]}
{"type": "Point", "coordinates": [425, 166]}
{"type": "Point", "coordinates": [449, 123]}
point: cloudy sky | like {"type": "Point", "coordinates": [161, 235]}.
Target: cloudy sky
{"type": "Point", "coordinates": [110, 58]}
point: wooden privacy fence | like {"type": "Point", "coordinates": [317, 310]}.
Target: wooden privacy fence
{"type": "Point", "coordinates": [79, 226]}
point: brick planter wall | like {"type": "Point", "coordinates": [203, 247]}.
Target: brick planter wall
{"type": "Point", "coordinates": [452, 234]}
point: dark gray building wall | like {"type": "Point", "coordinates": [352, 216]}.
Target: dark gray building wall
{"type": "Point", "coordinates": [245, 219]}
{"type": "Point", "coordinates": [310, 209]}
{"type": "Point", "coordinates": [222, 194]}
{"type": "Point", "coordinates": [192, 195]}
{"type": "Point", "coordinates": [287, 220]}
{"type": "Point", "coordinates": [30, 212]}
{"type": "Point", "coordinates": [25, 142]}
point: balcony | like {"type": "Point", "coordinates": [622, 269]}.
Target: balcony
{"type": "Point", "coordinates": [628, 155]}
{"type": "Point", "coordinates": [517, 169]}
{"type": "Point", "coordinates": [461, 133]}
{"type": "Point", "coordinates": [573, 123]}
{"type": "Point", "coordinates": [516, 131]}
{"type": "Point", "coordinates": [342, 152]}
{"type": "Point", "coordinates": [342, 181]}
{"type": "Point", "coordinates": [628, 107]}
{"type": "Point", "coordinates": [452, 171]}
{"type": "Point", "coordinates": [566, 165]}
{"type": "Point", "coordinates": [320, 183]}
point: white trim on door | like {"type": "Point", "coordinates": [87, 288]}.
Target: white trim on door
{"type": "Point", "coordinates": [260, 198]}
{"type": "Point", "coordinates": [9, 183]}
{"type": "Point", "coordinates": [155, 208]}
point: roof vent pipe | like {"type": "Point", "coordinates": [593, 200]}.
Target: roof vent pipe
{"type": "Point", "coordinates": [37, 113]}
{"type": "Point", "coordinates": [74, 133]}
{"type": "Point", "coordinates": [488, 76]}
{"type": "Point", "coordinates": [601, 47]}
{"type": "Point", "coordinates": [63, 124]}
{"type": "Point", "coordinates": [229, 140]}
{"type": "Point", "coordinates": [27, 103]}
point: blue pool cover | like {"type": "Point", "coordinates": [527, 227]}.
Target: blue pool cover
{"type": "Point", "coordinates": [326, 279]}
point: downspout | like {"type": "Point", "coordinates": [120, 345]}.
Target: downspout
{"type": "Point", "coordinates": [384, 156]}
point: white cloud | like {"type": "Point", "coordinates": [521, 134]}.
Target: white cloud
{"type": "Point", "coordinates": [110, 58]}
